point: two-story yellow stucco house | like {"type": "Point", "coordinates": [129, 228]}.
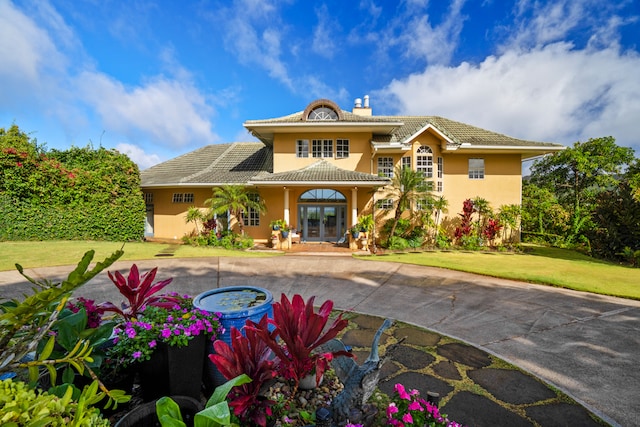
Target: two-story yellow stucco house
{"type": "Point", "coordinates": [318, 169]}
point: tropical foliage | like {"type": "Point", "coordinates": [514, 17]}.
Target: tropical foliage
{"type": "Point", "coordinates": [585, 197]}
{"type": "Point", "coordinates": [235, 199]}
{"type": "Point", "coordinates": [26, 328]}
{"type": "Point", "coordinates": [80, 193]}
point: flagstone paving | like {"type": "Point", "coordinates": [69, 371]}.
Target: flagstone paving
{"type": "Point", "coordinates": [478, 388]}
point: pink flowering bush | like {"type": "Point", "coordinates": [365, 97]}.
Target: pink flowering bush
{"type": "Point", "coordinates": [137, 338]}
{"type": "Point", "coordinates": [407, 408]}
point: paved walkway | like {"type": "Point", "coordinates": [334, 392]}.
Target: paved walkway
{"type": "Point", "coordinates": [586, 345]}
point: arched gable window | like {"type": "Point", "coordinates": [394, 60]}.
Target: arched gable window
{"type": "Point", "coordinates": [424, 161]}
{"type": "Point", "coordinates": [322, 195]}
{"type": "Point", "coordinates": [322, 110]}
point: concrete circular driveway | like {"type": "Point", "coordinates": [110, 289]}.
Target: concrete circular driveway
{"type": "Point", "coordinates": [586, 345]}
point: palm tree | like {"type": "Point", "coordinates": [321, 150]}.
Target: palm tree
{"type": "Point", "coordinates": [195, 215]}
{"type": "Point", "coordinates": [407, 188]}
{"type": "Point", "coordinates": [440, 205]}
{"type": "Point", "coordinates": [483, 209]}
{"type": "Point", "coordinates": [236, 200]}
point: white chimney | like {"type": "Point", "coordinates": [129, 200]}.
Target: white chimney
{"type": "Point", "coordinates": [362, 110]}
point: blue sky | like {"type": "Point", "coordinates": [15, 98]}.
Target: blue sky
{"type": "Point", "coordinates": [156, 79]}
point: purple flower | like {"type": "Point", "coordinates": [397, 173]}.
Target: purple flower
{"type": "Point", "coordinates": [152, 343]}
{"type": "Point", "coordinates": [166, 333]}
{"type": "Point", "coordinates": [136, 354]}
{"type": "Point", "coordinates": [131, 333]}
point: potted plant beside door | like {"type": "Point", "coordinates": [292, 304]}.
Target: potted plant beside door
{"type": "Point", "coordinates": [277, 224]}
{"type": "Point", "coordinates": [284, 231]}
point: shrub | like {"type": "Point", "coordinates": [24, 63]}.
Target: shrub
{"type": "Point", "coordinates": [20, 405]}
{"type": "Point", "coordinates": [77, 194]}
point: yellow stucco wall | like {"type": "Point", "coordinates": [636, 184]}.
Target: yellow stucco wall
{"type": "Point", "coordinates": [501, 185]}
{"type": "Point", "coordinates": [284, 151]}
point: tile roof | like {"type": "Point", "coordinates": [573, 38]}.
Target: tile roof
{"type": "Point", "coordinates": [233, 163]}
{"type": "Point", "coordinates": [457, 132]}
{"type": "Point", "coordinates": [347, 117]}
{"type": "Point", "coordinates": [321, 171]}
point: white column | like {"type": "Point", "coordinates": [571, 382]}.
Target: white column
{"type": "Point", "coordinates": [286, 206]}
{"type": "Point", "coordinates": [354, 206]}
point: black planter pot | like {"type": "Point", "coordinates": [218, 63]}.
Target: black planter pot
{"type": "Point", "coordinates": [174, 371]}
{"type": "Point", "coordinates": [145, 415]}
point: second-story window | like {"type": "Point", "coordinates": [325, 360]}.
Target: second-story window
{"type": "Point", "coordinates": [342, 148]}
{"type": "Point", "coordinates": [322, 148]}
{"type": "Point", "coordinates": [406, 162]}
{"type": "Point", "coordinates": [385, 166]}
{"type": "Point", "coordinates": [476, 168]}
{"type": "Point", "coordinates": [424, 161]}
{"type": "Point", "coordinates": [302, 148]}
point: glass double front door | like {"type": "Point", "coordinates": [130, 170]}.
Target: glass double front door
{"type": "Point", "coordinates": [321, 222]}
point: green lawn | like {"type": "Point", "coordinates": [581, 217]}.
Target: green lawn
{"type": "Point", "coordinates": [549, 266]}
{"type": "Point", "coordinates": [53, 253]}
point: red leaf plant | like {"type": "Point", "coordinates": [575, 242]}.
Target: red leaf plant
{"type": "Point", "coordinates": [301, 331]}
{"type": "Point", "coordinates": [139, 293]}
{"type": "Point", "coordinates": [249, 355]}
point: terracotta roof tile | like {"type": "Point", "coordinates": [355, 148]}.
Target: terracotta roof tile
{"type": "Point", "coordinates": [321, 171]}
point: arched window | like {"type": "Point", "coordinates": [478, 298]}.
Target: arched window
{"type": "Point", "coordinates": [424, 161]}
{"type": "Point", "coordinates": [323, 113]}
{"type": "Point", "coordinates": [322, 195]}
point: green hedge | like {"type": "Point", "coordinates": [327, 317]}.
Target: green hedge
{"type": "Point", "coordinates": [76, 194]}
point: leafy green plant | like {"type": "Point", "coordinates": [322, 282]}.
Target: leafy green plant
{"type": "Point", "coordinates": [277, 224]}
{"type": "Point", "coordinates": [73, 328]}
{"type": "Point", "coordinates": [22, 405]}
{"type": "Point", "coordinates": [25, 324]}
{"type": "Point", "coordinates": [365, 223]}
{"type": "Point", "coordinates": [215, 414]}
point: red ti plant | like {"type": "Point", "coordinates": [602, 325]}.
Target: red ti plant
{"type": "Point", "coordinates": [301, 331]}
{"type": "Point", "coordinates": [139, 293]}
{"type": "Point", "coordinates": [465, 228]}
{"type": "Point", "coordinates": [249, 355]}
{"type": "Point", "coordinates": [491, 230]}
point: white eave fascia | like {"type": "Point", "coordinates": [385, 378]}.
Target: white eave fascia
{"type": "Point", "coordinates": [308, 183]}
{"type": "Point", "coordinates": [390, 146]}
{"type": "Point", "coordinates": [468, 146]}
{"type": "Point", "coordinates": [320, 126]}
{"type": "Point", "coordinates": [191, 185]}
{"type": "Point", "coordinates": [424, 128]}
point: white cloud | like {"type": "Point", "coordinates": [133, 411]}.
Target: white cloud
{"type": "Point", "coordinates": [138, 155]}
{"type": "Point", "coordinates": [253, 32]}
{"type": "Point", "coordinates": [31, 64]}
{"type": "Point", "coordinates": [434, 43]}
{"type": "Point", "coordinates": [324, 40]}
{"type": "Point", "coordinates": [551, 93]}
{"type": "Point", "coordinates": [170, 112]}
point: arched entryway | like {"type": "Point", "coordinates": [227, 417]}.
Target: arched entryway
{"type": "Point", "coordinates": [321, 215]}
